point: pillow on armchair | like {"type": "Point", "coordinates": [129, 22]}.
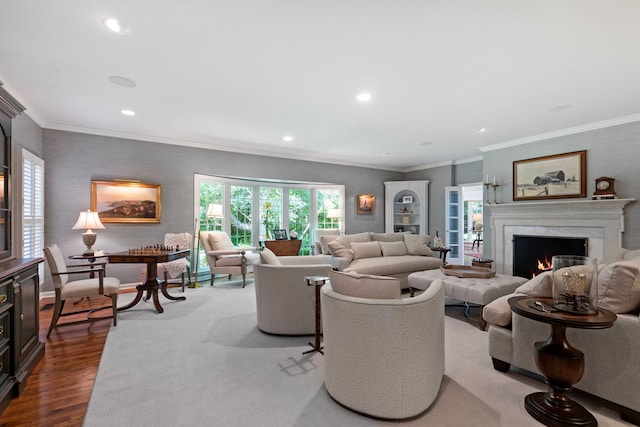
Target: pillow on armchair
{"type": "Point", "coordinates": [221, 241]}
{"type": "Point", "coordinates": [365, 285]}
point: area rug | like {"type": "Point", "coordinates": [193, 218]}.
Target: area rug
{"type": "Point", "coordinates": [203, 362]}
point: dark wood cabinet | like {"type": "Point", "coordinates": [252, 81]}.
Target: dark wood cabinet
{"type": "Point", "coordinates": [20, 346]}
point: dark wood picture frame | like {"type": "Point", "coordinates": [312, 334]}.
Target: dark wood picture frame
{"type": "Point", "coordinates": [559, 176]}
{"type": "Point", "coordinates": [127, 201]}
{"type": "Point", "coordinates": [366, 203]}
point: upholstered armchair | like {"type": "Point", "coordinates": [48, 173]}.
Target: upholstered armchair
{"type": "Point", "coordinates": [66, 288]}
{"type": "Point", "coordinates": [285, 304]}
{"type": "Point", "coordinates": [224, 258]}
{"type": "Point", "coordinates": [383, 353]}
{"type": "Point", "coordinates": [178, 267]}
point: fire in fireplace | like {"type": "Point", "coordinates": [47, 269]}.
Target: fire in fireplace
{"type": "Point", "coordinates": [532, 254]}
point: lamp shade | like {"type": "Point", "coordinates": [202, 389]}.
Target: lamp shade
{"type": "Point", "coordinates": [88, 220]}
{"type": "Point", "coordinates": [214, 210]}
{"type": "Point", "coordinates": [333, 213]}
{"type": "Point", "coordinates": [477, 217]}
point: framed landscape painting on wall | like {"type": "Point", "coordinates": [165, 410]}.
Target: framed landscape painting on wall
{"type": "Point", "coordinates": [126, 201]}
{"type": "Point", "coordinates": [551, 177]}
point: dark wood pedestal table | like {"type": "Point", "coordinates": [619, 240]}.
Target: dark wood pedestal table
{"type": "Point", "coordinates": [151, 285]}
{"type": "Point", "coordinates": [561, 364]}
{"type": "Point", "coordinates": [317, 282]}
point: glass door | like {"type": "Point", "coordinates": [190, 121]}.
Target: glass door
{"type": "Point", "coordinates": [454, 235]}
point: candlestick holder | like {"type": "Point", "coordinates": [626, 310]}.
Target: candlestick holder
{"type": "Point", "coordinates": [495, 190]}
{"type": "Point", "coordinates": [487, 185]}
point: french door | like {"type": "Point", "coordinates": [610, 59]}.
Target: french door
{"type": "Point", "coordinates": [454, 233]}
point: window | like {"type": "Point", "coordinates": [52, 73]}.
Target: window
{"type": "Point", "coordinates": [254, 208]}
{"type": "Point", "coordinates": [32, 206]}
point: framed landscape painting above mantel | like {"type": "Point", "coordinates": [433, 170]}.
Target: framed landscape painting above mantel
{"type": "Point", "coordinates": [126, 201]}
{"type": "Point", "coordinates": [558, 176]}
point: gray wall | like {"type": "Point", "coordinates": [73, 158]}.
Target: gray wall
{"type": "Point", "coordinates": [74, 159]}
{"type": "Point", "coordinates": [611, 152]}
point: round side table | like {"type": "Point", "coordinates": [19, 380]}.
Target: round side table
{"type": "Point", "coordinates": [561, 364]}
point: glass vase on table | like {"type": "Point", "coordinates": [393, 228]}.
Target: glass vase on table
{"type": "Point", "coordinates": [575, 284]}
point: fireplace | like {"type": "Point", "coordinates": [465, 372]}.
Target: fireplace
{"type": "Point", "coordinates": [532, 254]}
{"type": "Point", "coordinates": [599, 221]}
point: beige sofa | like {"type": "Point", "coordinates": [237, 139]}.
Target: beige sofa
{"type": "Point", "coordinates": [383, 254]}
{"type": "Point", "coordinates": [383, 354]}
{"type": "Point", "coordinates": [612, 355]}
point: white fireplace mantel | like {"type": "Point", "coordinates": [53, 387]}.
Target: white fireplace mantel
{"type": "Point", "coordinates": [601, 221]}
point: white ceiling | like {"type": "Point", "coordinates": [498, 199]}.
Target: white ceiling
{"type": "Point", "coordinates": [239, 75]}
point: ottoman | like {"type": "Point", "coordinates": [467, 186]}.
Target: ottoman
{"type": "Point", "coordinates": [469, 289]}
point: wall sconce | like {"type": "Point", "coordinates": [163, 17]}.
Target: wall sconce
{"type": "Point", "coordinates": [88, 221]}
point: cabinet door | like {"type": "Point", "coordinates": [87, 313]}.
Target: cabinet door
{"type": "Point", "coordinates": [27, 315]}
{"type": "Point", "coordinates": [453, 219]}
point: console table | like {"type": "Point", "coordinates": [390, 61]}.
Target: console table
{"type": "Point", "coordinates": [561, 364]}
{"type": "Point", "coordinates": [151, 285]}
{"type": "Point", "coordinates": [284, 247]}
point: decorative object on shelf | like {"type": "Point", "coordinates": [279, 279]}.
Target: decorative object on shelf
{"type": "Point", "coordinates": [405, 219]}
{"type": "Point", "coordinates": [407, 199]}
{"type": "Point", "coordinates": [366, 204]}
{"type": "Point", "coordinates": [126, 201]}
{"type": "Point", "coordinates": [88, 221]}
{"type": "Point", "coordinates": [437, 241]}
{"type": "Point", "coordinates": [604, 189]}
{"type": "Point", "coordinates": [550, 177]}
{"type": "Point", "coordinates": [280, 234]}
{"type": "Point", "coordinates": [405, 210]}
{"type": "Point", "coordinates": [575, 284]}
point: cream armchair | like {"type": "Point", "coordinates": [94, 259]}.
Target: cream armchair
{"type": "Point", "coordinates": [285, 304]}
{"type": "Point", "coordinates": [224, 258]}
{"type": "Point", "coordinates": [383, 355]}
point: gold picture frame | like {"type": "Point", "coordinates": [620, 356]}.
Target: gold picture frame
{"type": "Point", "coordinates": [366, 203]}
{"type": "Point", "coordinates": [127, 201]}
{"type": "Point", "coordinates": [558, 176]}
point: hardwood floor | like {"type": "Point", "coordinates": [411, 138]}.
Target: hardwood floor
{"type": "Point", "coordinates": [57, 392]}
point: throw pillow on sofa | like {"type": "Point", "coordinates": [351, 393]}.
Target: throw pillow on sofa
{"type": "Point", "coordinates": [619, 286]}
{"type": "Point", "coordinates": [268, 257]}
{"type": "Point", "coordinates": [364, 285]}
{"type": "Point", "coordinates": [324, 243]}
{"type": "Point", "coordinates": [339, 247]}
{"type": "Point", "coordinates": [393, 248]}
{"type": "Point", "coordinates": [365, 250]}
{"type": "Point", "coordinates": [539, 286]}
{"type": "Point", "coordinates": [418, 244]}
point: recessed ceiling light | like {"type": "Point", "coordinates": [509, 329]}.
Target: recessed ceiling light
{"type": "Point", "coordinates": [386, 154]}
{"type": "Point", "coordinates": [480, 130]}
{"type": "Point", "coordinates": [558, 108]}
{"type": "Point", "coordinates": [287, 138]}
{"type": "Point", "coordinates": [128, 112]}
{"type": "Point", "coordinates": [122, 81]}
{"type": "Point", "coordinates": [117, 26]}
{"type": "Point", "coordinates": [425, 143]}
{"type": "Point", "coordinates": [364, 97]}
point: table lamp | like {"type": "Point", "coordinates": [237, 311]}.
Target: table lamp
{"type": "Point", "coordinates": [88, 221]}
{"type": "Point", "coordinates": [334, 213]}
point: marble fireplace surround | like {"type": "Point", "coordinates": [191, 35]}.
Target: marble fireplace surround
{"type": "Point", "coordinates": [600, 221]}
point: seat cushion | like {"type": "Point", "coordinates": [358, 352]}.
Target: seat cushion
{"type": "Point", "coordinates": [365, 285]}
{"type": "Point", "coordinates": [384, 266]}
{"type": "Point", "coordinates": [89, 287]}
{"type": "Point", "coordinates": [229, 260]}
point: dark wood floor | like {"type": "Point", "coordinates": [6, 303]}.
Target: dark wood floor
{"type": "Point", "coordinates": [58, 390]}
